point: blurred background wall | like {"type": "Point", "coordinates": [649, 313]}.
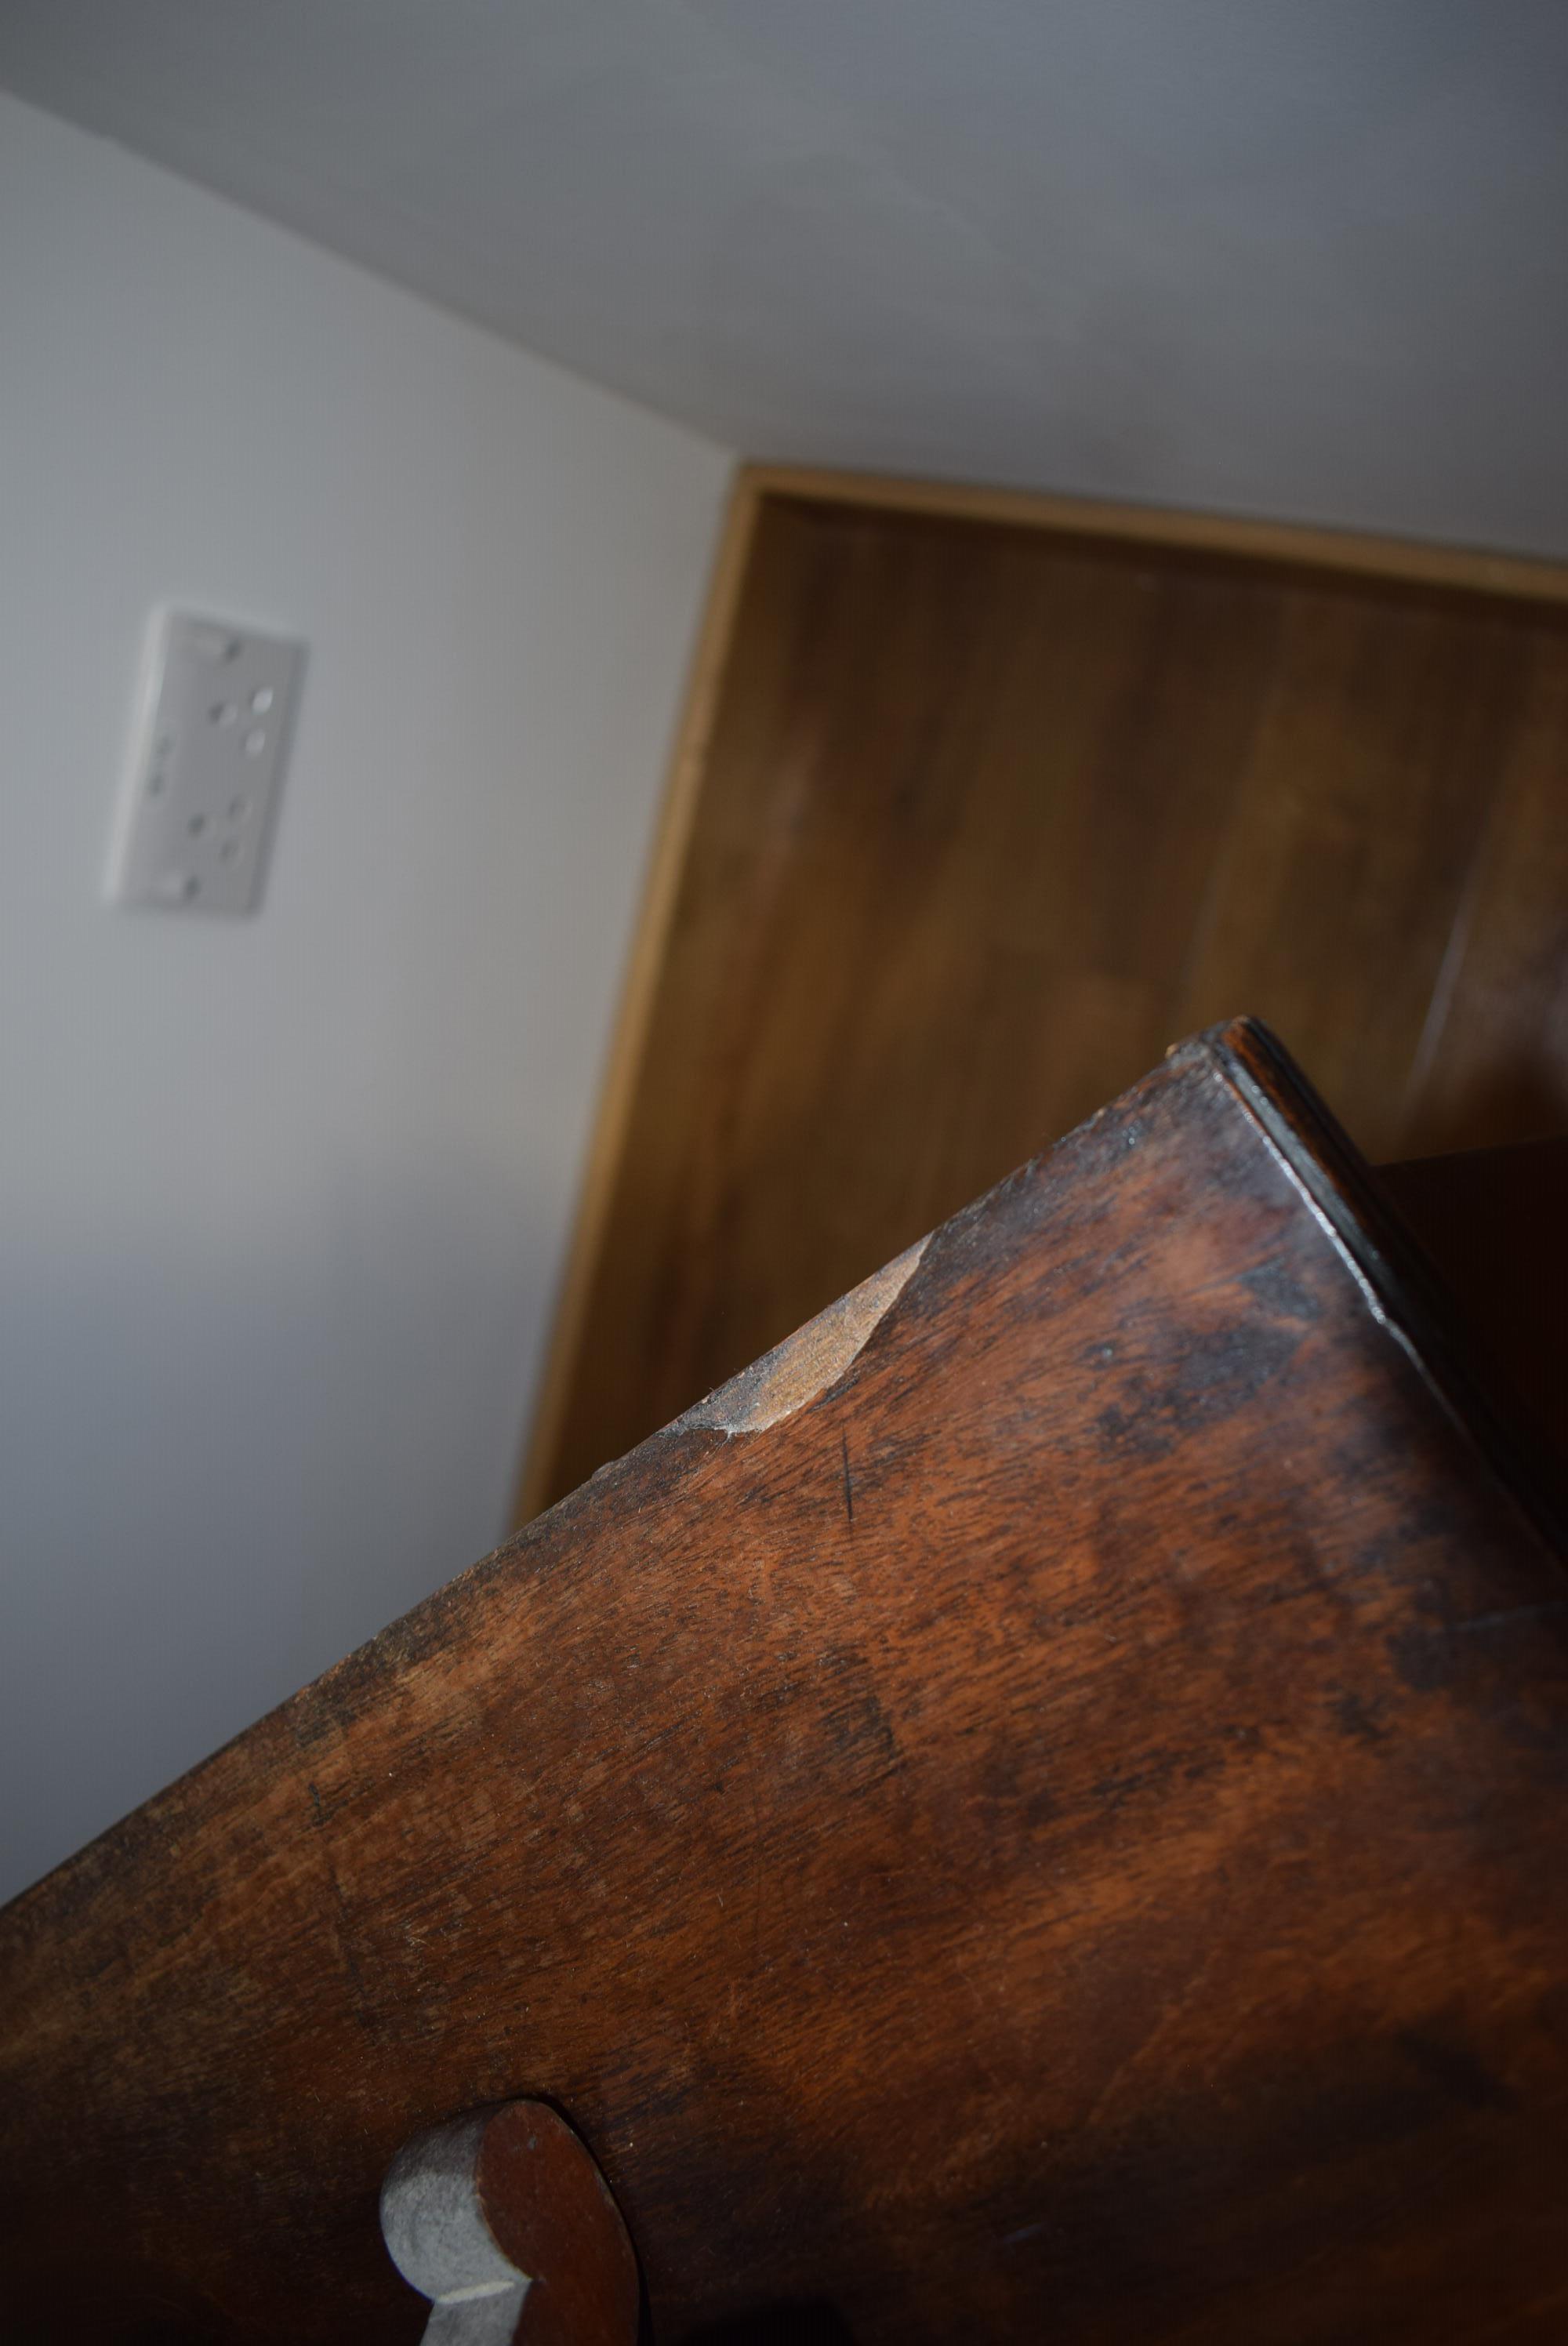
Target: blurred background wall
{"type": "Point", "coordinates": [283, 1198]}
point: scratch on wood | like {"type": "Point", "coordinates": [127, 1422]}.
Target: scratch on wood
{"type": "Point", "coordinates": [849, 1482]}
{"type": "Point", "coordinates": [808, 1363]}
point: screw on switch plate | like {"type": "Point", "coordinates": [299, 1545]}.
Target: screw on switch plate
{"type": "Point", "coordinates": [197, 815]}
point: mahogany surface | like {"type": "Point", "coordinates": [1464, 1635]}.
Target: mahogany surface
{"type": "Point", "coordinates": [1037, 1814]}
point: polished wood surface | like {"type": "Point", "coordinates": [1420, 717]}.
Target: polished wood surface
{"type": "Point", "coordinates": [987, 817]}
{"type": "Point", "coordinates": [1035, 1814]}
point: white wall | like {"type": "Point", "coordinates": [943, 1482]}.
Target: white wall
{"type": "Point", "coordinates": [284, 1199]}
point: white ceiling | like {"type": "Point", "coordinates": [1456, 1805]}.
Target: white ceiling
{"type": "Point", "coordinates": [1303, 256]}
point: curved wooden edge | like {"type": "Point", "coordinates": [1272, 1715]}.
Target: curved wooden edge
{"type": "Point", "coordinates": [1472, 569]}
{"type": "Point", "coordinates": [1402, 1285]}
{"type": "Point", "coordinates": [503, 2219]}
{"type": "Point", "coordinates": [672, 834]}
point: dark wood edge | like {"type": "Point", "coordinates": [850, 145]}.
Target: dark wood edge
{"type": "Point", "coordinates": [1404, 1287]}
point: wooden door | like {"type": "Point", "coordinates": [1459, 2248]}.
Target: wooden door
{"type": "Point", "coordinates": [989, 814]}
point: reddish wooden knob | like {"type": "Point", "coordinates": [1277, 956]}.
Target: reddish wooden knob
{"type": "Point", "coordinates": [503, 2220]}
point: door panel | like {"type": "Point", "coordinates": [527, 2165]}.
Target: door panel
{"type": "Point", "coordinates": [990, 815]}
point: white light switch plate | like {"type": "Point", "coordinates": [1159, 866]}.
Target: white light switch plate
{"type": "Point", "coordinates": [207, 760]}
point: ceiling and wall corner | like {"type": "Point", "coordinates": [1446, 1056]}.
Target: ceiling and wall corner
{"type": "Point", "coordinates": [282, 1200]}
{"type": "Point", "coordinates": [1304, 261]}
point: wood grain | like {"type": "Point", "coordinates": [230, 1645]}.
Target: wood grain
{"type": "Point", "coordinates": [1493, 1063]}
{"type": "Point", "coordinates": [990, 816]}
{"type": "Point", "coordinates": [1360, 808]}
{"type": "Point", "coordinates": [1057, 1835]}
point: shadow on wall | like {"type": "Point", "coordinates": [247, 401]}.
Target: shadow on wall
{"type": "Point", "coordinates": [1517, 1097]}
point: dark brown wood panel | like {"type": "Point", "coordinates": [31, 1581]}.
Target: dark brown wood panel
{"type": "Point", "coordinates": [1494, 1221]}
{"type": "Point", "coordinates": [1358, 812]}
{"type": "Point", "coordinates": [1494, 1068]}
{"type": "Point", "coordinates": [988, 817]}
{"type": "Point", "coordinates": [1037, 1815]}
